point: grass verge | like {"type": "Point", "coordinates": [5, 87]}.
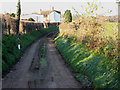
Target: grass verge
{"type": "Point", "coordinates": [102, 72]}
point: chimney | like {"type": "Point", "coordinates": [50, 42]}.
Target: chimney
{"type": "Point", "coordinates": [52, 8]}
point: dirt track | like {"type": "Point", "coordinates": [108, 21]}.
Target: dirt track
{"type": "Point", "coordinates": [29, 74]}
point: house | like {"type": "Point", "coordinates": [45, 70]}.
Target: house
{"type": "Point", "coordinates": [36, 17]}
{"type": "Point", "coordinates": [44, 16]}
{"type": "Point", "coordinates": [51, 16]}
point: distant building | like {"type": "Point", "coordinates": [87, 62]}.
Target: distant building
{"type": "Point", "coordinates": [44, 16]}
{"type": "Point", "coordinates": [34, 16]}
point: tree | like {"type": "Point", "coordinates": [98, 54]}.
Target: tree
{"type": "Point", "coordinates": [118, 2]}
{"type": "Point", "coordinates": [31, 19]}
{"type": "Point", "coordinates": [68, 16]}
{"type": "Point", "coordinates": [7, 14]}
{"type": "Point", "coordinates": [12, 15]}
{"type": "Point", "coordinates": [18, 15]}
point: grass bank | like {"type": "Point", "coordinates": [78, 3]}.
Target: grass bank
{"type": "Point", "coordinates": [10, 52]}
{"type": "Point", "coordinates": [102, 71]}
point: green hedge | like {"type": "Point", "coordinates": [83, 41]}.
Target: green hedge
{"type": "Point", "coordinates": [101, 71]}
{"type": "Point", "coordinates": [10, 52]}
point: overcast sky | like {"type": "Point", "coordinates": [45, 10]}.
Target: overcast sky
{"type": "Point", "coordinates": [30, 6]}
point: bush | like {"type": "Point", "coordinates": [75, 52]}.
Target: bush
{"type": "Point", "coordinates": [31, 19]}
{"type": "Point", "coordinates": [68, 16]}
{"type": "Point", "coordinates": [12, 15]}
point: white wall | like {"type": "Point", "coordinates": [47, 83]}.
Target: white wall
{"type": "Point", "coordinates": [53, 17]}
{"type": "Point", "coordinates": [35, 17]}
{"type": "Point", "coordinates": [41, 18]}
{"type": "Point", "coordinates": [57, 17]}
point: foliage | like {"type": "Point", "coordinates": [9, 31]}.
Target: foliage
{"type": "Point", "coordinates": [102, 71]}
{"type": "Point", "coordinates": [93, 32]}
{"type": "Point", "coordinates": [18, 10]}
{"type": "Point", "coordinates": [68, 16]}
{"type": "Point", "coordinates": [12, 15]}
{"type": "Point", "coordinates": [31, 19]}
{"type": "Point", "coordinates": [92, 49]}
{"type": "Point", "coordinates": [18, 15]}
{"type": "Point", "coordinates": [83, 79]}
{"type": "Point", "coordinates": [7, 14]}
{"type": "Point", "coordinates": [118, 2]}
{"type": "Point", "coordinates": [10, 51]}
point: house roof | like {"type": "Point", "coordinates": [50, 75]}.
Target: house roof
{"type": "Point", "coordinates": [45, 12]}
{"type": "Point", "coordinates": [48, 12]}
{"type": "Point", "coordinates": [58, 11]}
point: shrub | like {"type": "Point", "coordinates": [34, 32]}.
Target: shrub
{"type": "Point", "coordinates": [68, 16]}
{"type": "Point", "coordinates": [31, 19]}
{"type": "Point", "coordinates": [12, 15]}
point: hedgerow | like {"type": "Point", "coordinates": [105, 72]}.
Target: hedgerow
{"type": "Point", "coordinates": [102, 71]}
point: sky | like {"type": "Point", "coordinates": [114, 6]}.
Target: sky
{"type": "Point", "coordinates": [30, 6]}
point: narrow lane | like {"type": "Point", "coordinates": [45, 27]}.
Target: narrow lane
{"type": "Point", "coordinates": [19, 75]}
{"type": "Point", "coordinates": [29, 74]}
{"type": "Point", "coordinates": [58, 71]}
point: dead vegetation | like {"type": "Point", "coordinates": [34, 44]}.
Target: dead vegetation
{"type": "Point", "coordinates": [91, 32]}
